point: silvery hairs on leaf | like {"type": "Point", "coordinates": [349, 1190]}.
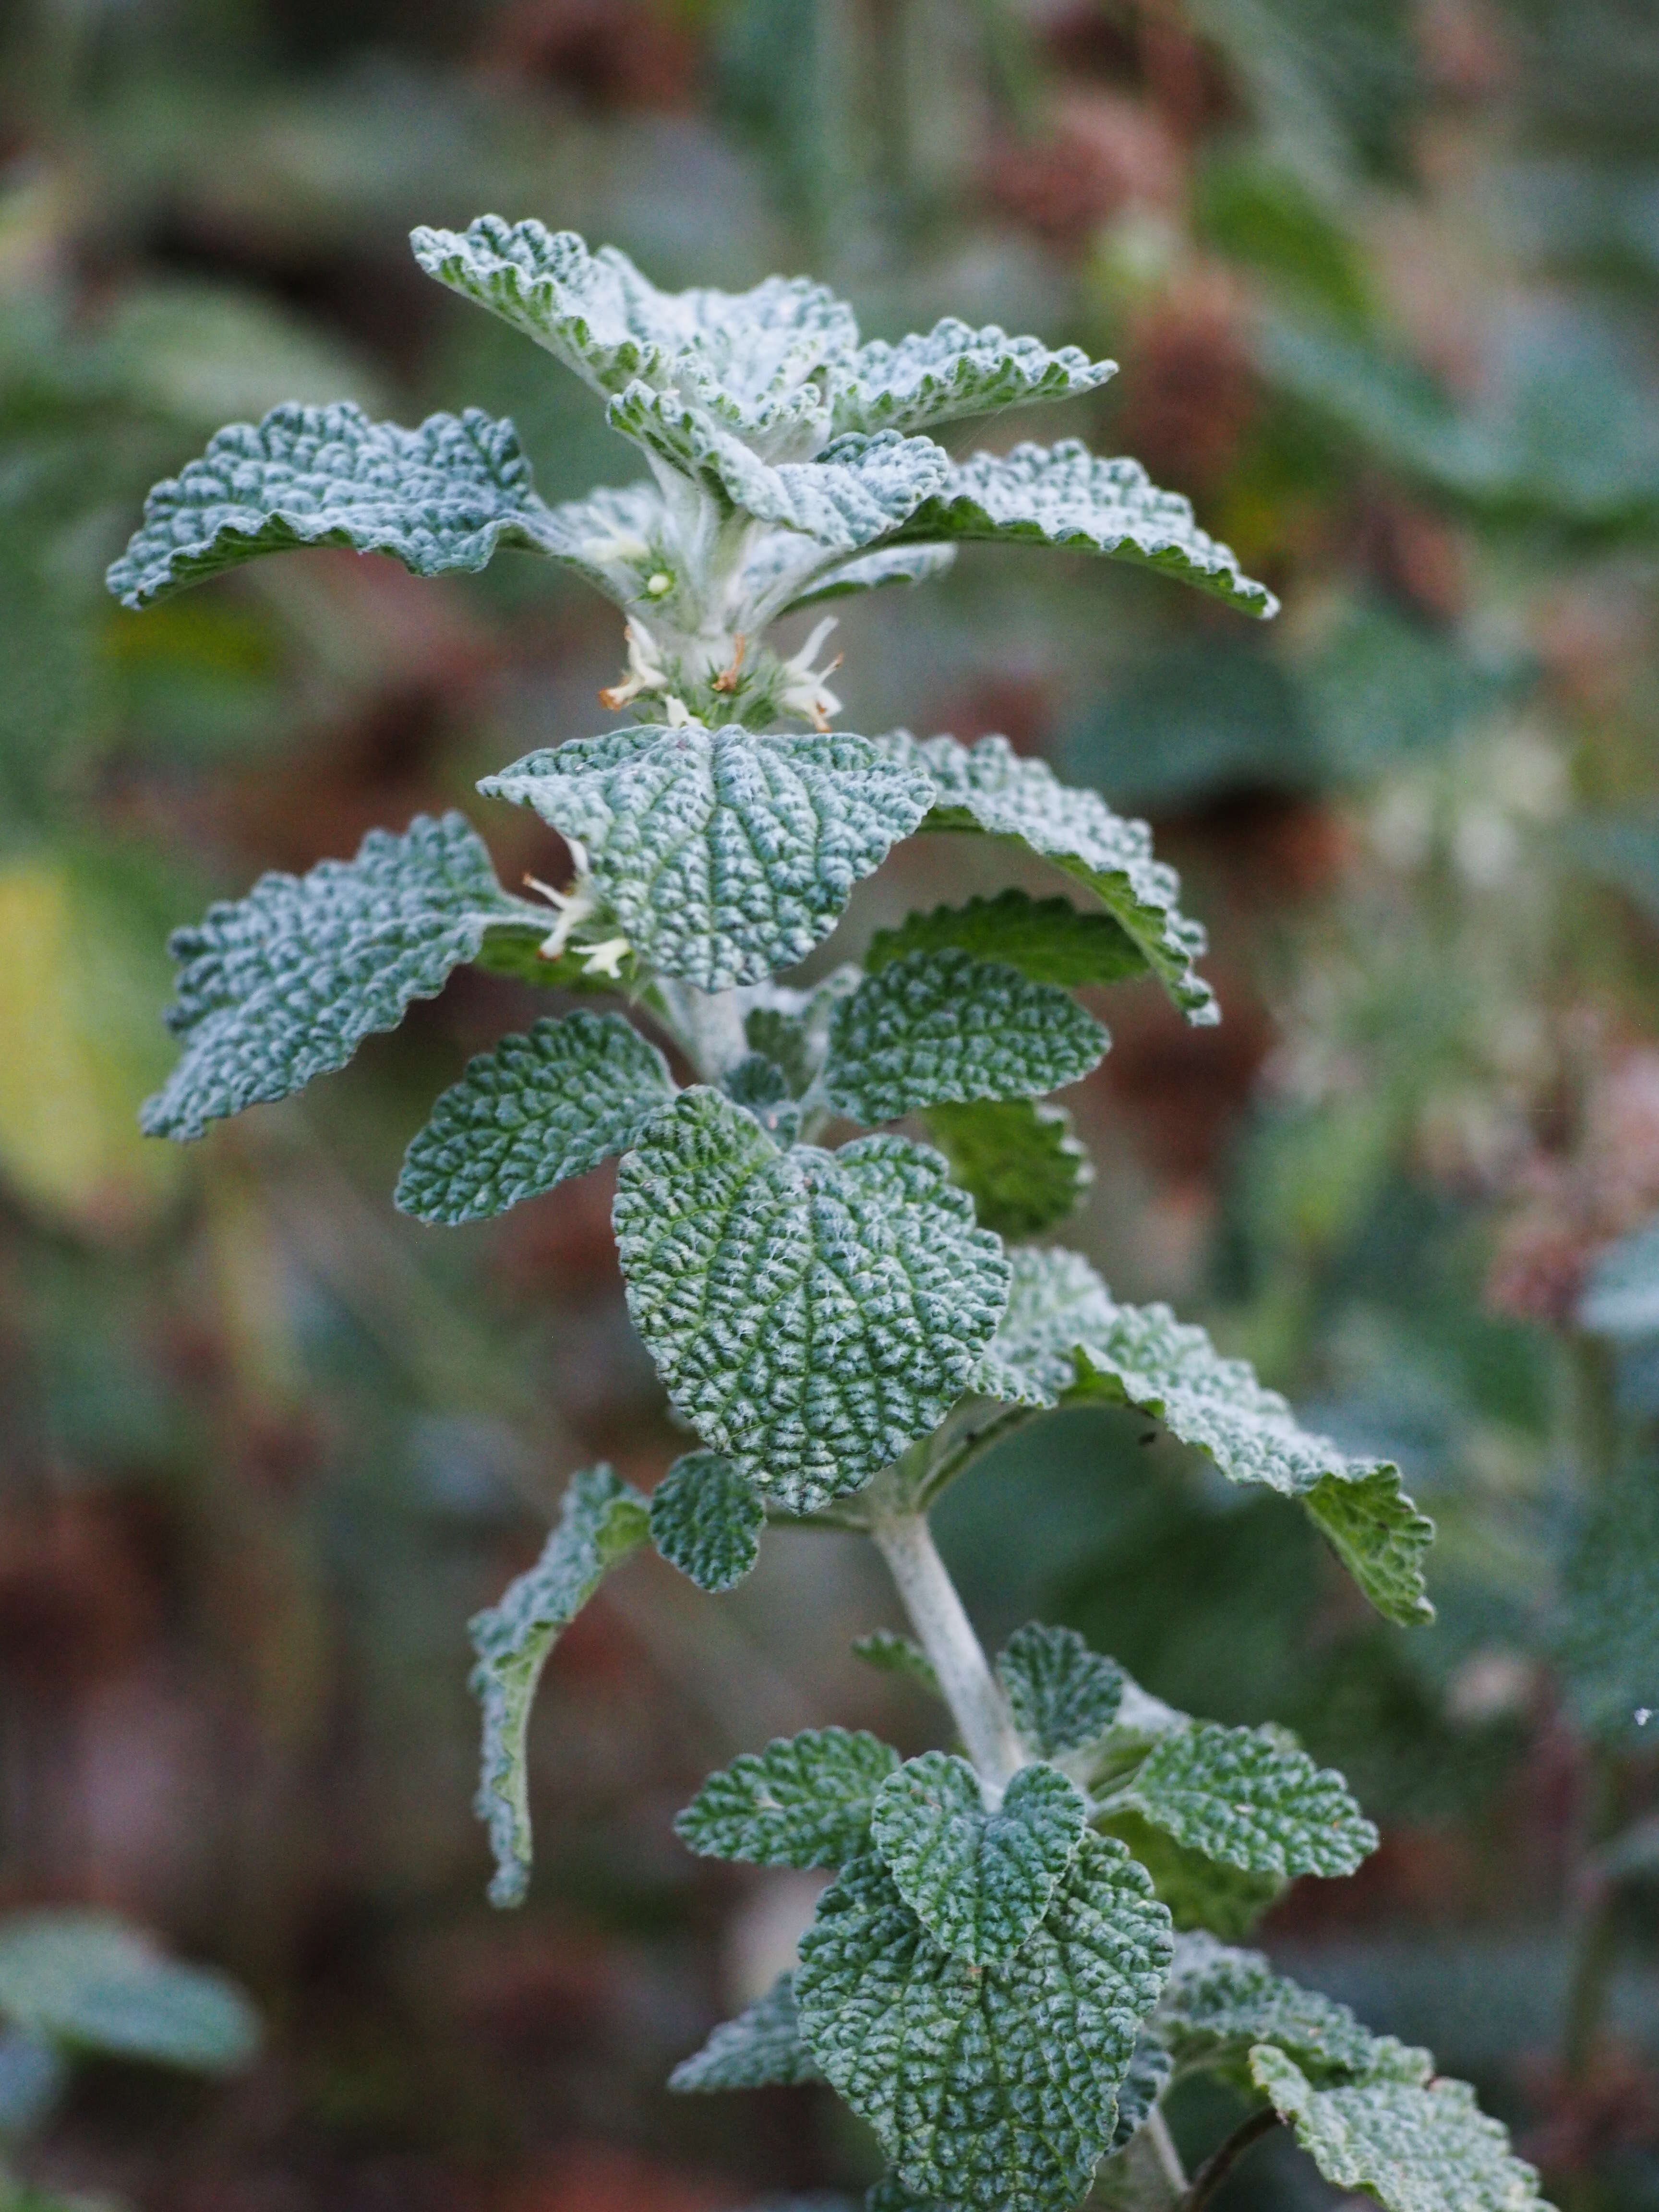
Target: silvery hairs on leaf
{"type": "Point", "coordinates": [804, 1801]}
{"type": "Point", "coordinates": [438, 498]}
{"type": "Point", "coordinates": [811, 1313]}
{"type": "Point", "coordinates": [1067, 1339]}
{"type": "Point", "coordinates": [283, 985]}
{"type": "Point", "coordinates": [1220, 2003]}
{"type": "Point", "coordinates": [720, 855]}
{"type": "Point", "coordinates": [1049, 940]}
{"type": "Point", "coordinates": [941, 1027]}
{"type": "Point", "coordinates": [1018, 1160]}
{"type": "Point", "coordinates": [1246, 1797]}
{"type": "Point", "coordinates": [954, 370]}
{"type": "Point", "coordinates": [978, 1880]}
{"type": "Point", "coordinates": [761, 2049]}
{"type": "Point", "coordinates": [1061, 1694]}
{"type": "Point", "coordinates": [994, 2086]}
{"type": "Point", "coordinates": [706, 1520]}
{"type": "Point", "coordinates": [535, 1111]}
{"type": "Point", "coordinates": [990, 788]}
{"type": "Point", "coordinates": [601, 1520]}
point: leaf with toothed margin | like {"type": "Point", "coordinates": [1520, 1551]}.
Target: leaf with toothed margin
{"type": "Point", "coordinates": [994, 2086]}
{"type": "Point", "coordinates": [990, 788]}
{"type": "Point", "coordinates": [1066, 496]}
{"type": "Point", "coordinates": [1066, 1339]}
{"type": "Point", "coordinates": [937, 1028]}
{"type": "Point", "coordinates": [601, 1520]}
{"type": "Point", "coordinates": [890, 1654]}
{"type": "Point", "coordinates": [1017, 1158]}
{"type": "Point", "coordinates": [1220, 2003]}
{"type": "Point", "coordinates": [1200, 1893]}
{"type": "Point", "coordinates": [872, 572]}
{"type": "Point", "coordinates": [804, 1801]}
{"type": "Point", "coordinates": [1049, 940]}
{"type": "Point", "coordinates": [978, 1880]}
{"type": "Point", "coordinates": [952, 369]}
{"type": "Point", "coordinates": [1061, 1694]}
{"type": "Point", "coordinates": [811, 1313]}
{"type": "Point", "coordinates": [1249, 1798]}
{"type": "Point", "coordinates": [706, 1520]}
{"type": "Point", "coordinates": [438, 498]}
{"type": "Point", "coordinates": [283, 986]}
{"type": "Point", "coordinates": [761, 2049]}
{"type": "Point", "coordinates": [719, 855]}
{"type": "Point", "coordinates": [537, 1110]}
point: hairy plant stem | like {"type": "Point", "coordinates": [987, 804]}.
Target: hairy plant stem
{"type": "Point", "coordinates": [947, 1635]}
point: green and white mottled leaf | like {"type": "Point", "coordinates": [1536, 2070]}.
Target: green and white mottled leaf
{"type": "Point", "coordinates": [1148, 2077]}
{"type": "Point", "coordinates": [441, 497]}
{"type": "Point", "coordinates": [1066, 496]}
{"type": "Point", "coordinates": [1061, 1694]}
{"type": "Point", "coordinates": [890, 1654]}
{"type": "Point", "coordinates": [1220, 2003]}
{"type": "Point", "coordinates": [535, 1111]}
{"type": "Point", "coordinates": [942, 1027]}
{"type": "Point", "coordinates": [602, 1519]}
{"type": "Point", "coordinates": [990, 788]}
{"type": "Point", "coordinates": [1201, 1893]}
{"type": "Point", "coordinates": [83, 1981]}
{"type": "Point", "coordinates": [706, 1520]}
{"type": "Point", "coordinates": [811, 1313]}
{"type": "Point", "coordinates": [719, 855]}
{"type": "Point", "coordinates": [872, 572]}
{"type": "Point", "coordinates": [994, 2086]}
{"type": "Point", "coordinates": [1244, 1796]}
{"type": "Point", "coordinates": [1017, 1158]}
{"type": "Point", "coordinates": [978, 1880]}
{"type": "Point", "coordinates": [806, 1800]}
{"type": "Point", "coordinates": [934, 375]}
{"type": "Point", "coordinates": [1413, 2146]}
{"type": "Point", "coordinates": [1049, 940]}
{"type": "Point", "coordinates": [761, 2049]}
{"type": "Point", "coordinates": [283, 985]}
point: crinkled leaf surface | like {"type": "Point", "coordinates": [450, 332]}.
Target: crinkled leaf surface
{"type": "Point", "coordinates": [870, 571]}
{"type": "Point", "coordinates": [601, 1520]}
{"type": "Point", "coordinates": [1415, 2148]}
{"type": "Point", "coordinates": [536, 1110]}
{"type": "Point", "coordinates": [1201, 1893]}
{"type": "Point", "coordinates": [1061, 1694]}
{"type": "Point", "coordinates": [804, 1801]}
{"type": "Point", "coordinates": [811, 1313]}
{"type": "Point", "coordinates": [86, 1982]}
{"type": "Point", "coordinates": [990, 787]}
{"type": "Point", "coordinates": [1244, 1796]}
{"type": "Point", "coordinates": [721, 855]}
{"type": "Point", "coordinates": [706, 1520]}
{"type": "Point", "coordinates": [953, 369]}
{"type": "Point", "coordinates": [1220, 2003]}
{"type": "Point", "coordinates": [1140, 2090]}
{"type": "Point", "coordinates": [1066, 496]}
{"type": "Point", "coordinates": [890, 1654]}
{"type": "Point", "coordinates": [1049, 940]}
{"type": "Point", "coordinates": [992, 2086]}
{"type": "Point", "coordinates": [443, 496]}
{"type": "Point", "coordinates": [1017, 1158]}
{"type": "Point", "coordinates": [979, 1881]}
{"type": "Point", "coordinates": [760, 2049]}
{"type": "Point", "coordinates": [937, 1028]}
{"type": "Point", "coordinates": [283, 985]}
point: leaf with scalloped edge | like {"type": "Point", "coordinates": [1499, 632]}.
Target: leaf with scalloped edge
{"type": "Point", "coordinates": [891, 1654]}
{"type": "Point", "coordinates": [535, 1111]}
{"type": "Point", "coordinates": [283, 985]}
{"type": "Point", "coordinates": [1017, 1158]}
{"type": "Point", "coordinates": [1061, 1694]}
{"type": "Point", "coordinates": [719, 855]}
{"type": "Point", "coordinates": [934, 375]}
{"type": "Point", "coordinates": [804, 1801]}
{"type": "Point", "coordinates": [811, 1313]}
{"type": "Point", "coordinates": [978, 1880]}
{"type": "Point", "coordinates": [1249, 1799]}
{"type": "Point", "coordinates": [994, 2086]}
{"type": "Point", "coordinates": [602, 1519]}
{"type": "Point", "coordinates": [942, 1027]}
{"type": "Point", "coordinates": [706, 1520]}
{"type": "Point", "coordinates": [1201, 1893]}
{"type": "Point", "coordinates": [1049, 940]}
{"type": "Point", "coordinates": [872, 572]}
{"type": "Point", "coordinates": [761, 2049]}
{"type": "Point", "coordinates": [990, 788]}
{"type": "Point", "coordinates": [1414, 2147]}
{"type": "Point", "coordinates": [1066, 496]}
{"type": "Point", "coordinates": [438, 498]}
{"type": "Point", "coordinates": [1220, 2003]}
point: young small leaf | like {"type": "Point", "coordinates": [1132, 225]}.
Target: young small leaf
{"type": "Point", "coordinates": [1243, 1797]}
{"type": "Point", "coordinates": [1049, 940]}
{"type": "Point", "coordinates": [1061, 1694]}
{"type": "Point", "coordinates": [931, 376]}
{"type": "Point", "coordinates": [811, 1313]}
{"type": "Point", "coordinates": [978, 1881]}
{"type": "Point", "coordinates": [897, 1654]}
{"type": "Point", "coordinates": [1017, 1159]}
{"type": "Point", "coordinates": [283, 985]}
{"type": "Point", "coordinates": [600, 1521]}
{"type": "Point", "coordinates": [720, 855]}
{"type": "Point", "coordinates": [804, 1801]}
{"type": "Point", "coordinates": [937, 1028]}
{"type": "Point", "coordinates": [439, 498]}
{"type": "Point", "coordinates": [535, 1111]}
{"type": "Point", "coordinates": [706, 1520]}
{"type": "Point", "coordinates": [761, 2049]}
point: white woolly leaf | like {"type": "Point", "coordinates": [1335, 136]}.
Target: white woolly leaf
{"type": "Point", "coordinates": [761, 2049]}
{"type": "Point", "coordinates": [952, 369]}
{"type": "Point", "coordinates": [804, 1801]}
{"type": "Point", "coordinates": [706, 1520]}
{"type": "Point", "coordinates": [1061, 1694]}
{"type": "Point", "coordinates": [870, 572]}
{"type": "Point", "coordinates": [1244, 1796]}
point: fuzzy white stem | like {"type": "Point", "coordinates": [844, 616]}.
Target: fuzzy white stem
{"type": "Point", "coordinates": [971, 1691]}
{"type": "Point", "coordinates": [708, 1025]}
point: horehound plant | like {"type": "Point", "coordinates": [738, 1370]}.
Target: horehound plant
{"type": "Point", "coordinates": [1024, 1947]}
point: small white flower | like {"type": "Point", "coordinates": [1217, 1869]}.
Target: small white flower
{"type": "Point", "coordinates": [805, 692]}
{"type": "Point", "coordinates": [645, 670]}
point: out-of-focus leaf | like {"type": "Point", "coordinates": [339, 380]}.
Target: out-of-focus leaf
{"type": "Point", "coordinates": [90, 1982]}
{"type": "Point", "coordinates": [1609, 1632]}
{"type": "Point", "coordinates": [1621, 1297]}
{"type": "Point", "coordinates": [1191, 724]}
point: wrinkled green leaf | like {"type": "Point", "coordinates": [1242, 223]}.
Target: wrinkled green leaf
{"type": "Point", "coordinates": [804, 1801]}
{"type": "Point", "coordinates": [706, 1520]}
{"type": "Point", "coordinates": [1061, 1694]}
{"type": "Point", "coordinates": [950, 370]}
{"type": "Point", "coordinates": [1049, 940]}
{"type": "Point", "coordinates": [1200, 1893]}
{"type": "Point", "coordinates": [870, 572]}
{"type": "Point", "coordinates": [1017, 1158]}
{"type": "Point", "coordinates": [1244, 1796]}
{"type": "Point", "coordinates": [760, 2049]}
{"type": "Point", "coordinates": [86, 1982]}
{"type": "Point", "coordinates": [1220, 2003]}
